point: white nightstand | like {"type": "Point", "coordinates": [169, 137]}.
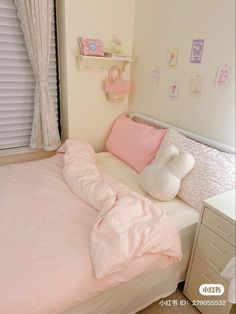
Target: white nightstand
{"type": "Point", "coordinates": [214, 245]}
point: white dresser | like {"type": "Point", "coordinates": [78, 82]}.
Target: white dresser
{"type": "Point", "coordinates": [213, 247]}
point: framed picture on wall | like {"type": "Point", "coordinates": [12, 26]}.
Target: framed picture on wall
{"type": "Point", "coordinates": [195, 86]}
{"type": "Point", "coordinates": [197, 50]}
{"type": "Point", "coordinates": [91, 47]}
{"type": "Point", "coordinates": [172, 57]}
{"type": "Point", "coordinates": [174, 90]}
{"type": "Point", "coordinates": [222, 76]}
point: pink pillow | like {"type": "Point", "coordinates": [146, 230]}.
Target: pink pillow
{"type": "Point", "coordinates": [133, 142]}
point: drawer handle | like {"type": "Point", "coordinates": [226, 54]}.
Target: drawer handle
{"type": "Point", "coordinates": [226, 234]}
{"type": "Point", "coordinates": [207, 278]}
{"type": "Point", "coordinates": [213, 265]}
{"type": "Point", "coordinates": [217, 249]}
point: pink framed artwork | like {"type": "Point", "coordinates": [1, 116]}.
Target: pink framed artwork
{"type": "Point", "coordinates": [91, 47]}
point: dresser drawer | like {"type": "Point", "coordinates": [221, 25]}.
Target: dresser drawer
{"type": "Point", "coordinates": [202, 274]}
{"type": "Point", "coordinates": [213, 250]}
{"type": "Point", "coordinates": [219, 225]}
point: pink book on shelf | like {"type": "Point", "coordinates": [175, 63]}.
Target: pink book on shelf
{"type": "Point", "coordinates": [91, 47]}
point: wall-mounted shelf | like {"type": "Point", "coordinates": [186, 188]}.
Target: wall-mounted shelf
{"type": "Point", "coordinates": [124, 60]}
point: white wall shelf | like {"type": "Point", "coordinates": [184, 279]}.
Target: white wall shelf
{"type": "Point", "coordinates": [83, 58]}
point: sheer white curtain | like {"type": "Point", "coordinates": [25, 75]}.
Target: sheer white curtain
{"type": "Point", "coordinates": [36, 20]}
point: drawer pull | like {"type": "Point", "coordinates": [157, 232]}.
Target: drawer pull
{"type": "Point", "coordinates": [213, 265]}
{"type": "Point", "coordinates": [207, 278]}
{"type": "Point", "coordinates": [217, 249]}
{"type": "Point", "coordinates": [226, 234]}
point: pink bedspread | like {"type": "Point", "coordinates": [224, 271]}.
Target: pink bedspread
{"type": "Point", "coordinates": [45, 229]}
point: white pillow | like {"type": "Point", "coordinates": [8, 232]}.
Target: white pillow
{"type": "Point", "coordinates": [213, 173]}
{"type": "Point", "coordinates": [161, 179]}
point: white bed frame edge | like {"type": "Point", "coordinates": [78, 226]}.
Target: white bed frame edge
{"type": "Point", "coordinates": [139, 117]}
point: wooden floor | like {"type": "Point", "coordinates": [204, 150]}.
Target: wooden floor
{"type": "Point", "coordinates": [175, 300]}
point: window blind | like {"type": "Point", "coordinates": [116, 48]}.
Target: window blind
{"type": "Point", "coordinates": [17, 83]}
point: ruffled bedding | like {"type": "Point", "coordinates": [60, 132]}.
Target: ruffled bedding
{"type": "Point", "coordinates": [48, 255]}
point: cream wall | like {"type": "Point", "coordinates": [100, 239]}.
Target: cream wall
{"type": "Point", "coordinates": [86, 113]}
{"type": "Point", "coordinates": [160, 24]}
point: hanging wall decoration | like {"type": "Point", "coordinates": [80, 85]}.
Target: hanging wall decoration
{"type": "Point", "coordinates": [195, 86]}
{"type": "Point", "coordinates": [174, 90]}
{"type": "Point", "coordinates": [115, 86]}
{"type": "Point", "coordinates": [197, 50]}
{"type": "Point", "coordinates": [173, 57]}
{"type": "Point", "coordinates": [222, 76]}
{"type": "Point", "coordinates": [155, 73]}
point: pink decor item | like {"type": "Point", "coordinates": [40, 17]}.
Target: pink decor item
{"type": "Point", "coordinates": [115, 86]}
{"type": "Point", "coordinates": [91, 47]}
{"type": "Point", "coordinates": [134, 143]}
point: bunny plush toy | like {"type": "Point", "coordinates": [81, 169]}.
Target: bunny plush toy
{"type": "Point", "coordinates": [161, 179]}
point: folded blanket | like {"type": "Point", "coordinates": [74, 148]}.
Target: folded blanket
{"type": "Point", "coordinates": [128, 225]}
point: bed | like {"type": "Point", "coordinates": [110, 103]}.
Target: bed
{"type": "Point", "coordinates": [43, 223]}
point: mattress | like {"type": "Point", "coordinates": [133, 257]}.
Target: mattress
{"type": "Point", "coordinates": [42, 218]}
{"type": "Point", "coordinates": [181, 213]}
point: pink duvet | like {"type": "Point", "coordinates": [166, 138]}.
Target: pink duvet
{"type": "Point", "coordinates": [48, 257]}
{"type": "Point", "coordinates": [129, 224]}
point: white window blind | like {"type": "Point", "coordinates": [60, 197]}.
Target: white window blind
{"type": "Point", "coordinates": [17, 83]}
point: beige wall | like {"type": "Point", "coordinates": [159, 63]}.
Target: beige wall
{"type": "Point", "coordinates": [160, 24]}
{"type": "Point", "coordinates": [153, 26]}
{"type": "Point", "coordinates": [86, 113]}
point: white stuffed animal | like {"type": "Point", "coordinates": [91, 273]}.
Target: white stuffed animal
{"type": "Point", "coordinates": [161, 179]}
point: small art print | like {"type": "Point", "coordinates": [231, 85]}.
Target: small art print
{"type": "Point", "coordinates": [222, 76]}
{"type": "Point", "coordinates": [155, 73]}
{"type": "Point", "coordinates": [197, 50]}
{"type": "Point", "coordinates": [174, 90]}
{"type": "Point", "coordinates": [172, 57]}
{"type": "Point", "coordinates": [195, 86]}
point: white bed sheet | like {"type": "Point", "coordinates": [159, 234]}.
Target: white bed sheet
{"type": "Point", "coordinates": [182, 214]}
{"type": "Point", "coordinates": [139, 292]}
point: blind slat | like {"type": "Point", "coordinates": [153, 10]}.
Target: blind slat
{"type": "Point", "coordinates": [23, 70]}
{"type": "Point", "coordinates": [23, 78]}
{"type": "Point", "coordinates": [22, 55]}
{"type": "Point", "coordinates": [24, 99]}
{"type": "Point", "coordinates": [16, 113]}
{"type": "Point", "coordinates": [13, 107]}
{"type": "Point", "coordinates": [14, 133]}
{"type": "Point", "coordinates": [12, 121]}
{"type": "Point", "coordinates": [10, 85]}
{"type": "Point", "coordinates": [14, 145]}
{"type": "Point", "coordinates": [6, 4]}
{"type": "Point", "coordinates": [6, 62]}
{"type": "Point", "coordinates": [8, 12]}
{"type": "Point", "coordinates": [16, 127]}
{"type": "Point", "coordinates": [4, 29]}
{"type": "Point", "coordinates": [6, 21]}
